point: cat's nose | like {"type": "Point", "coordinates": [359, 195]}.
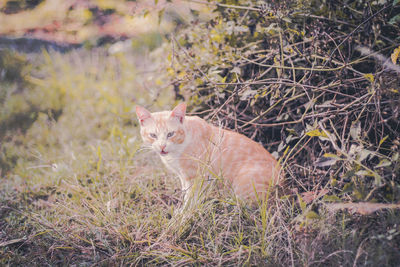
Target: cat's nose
{"type": "Point", "coordinates": [162, 147]}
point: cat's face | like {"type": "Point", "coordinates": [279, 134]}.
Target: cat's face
{"type": "Point", "coordinates": [164, 130]}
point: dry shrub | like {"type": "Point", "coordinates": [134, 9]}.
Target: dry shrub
{"type": "Point", "coordinates": [317, 82]}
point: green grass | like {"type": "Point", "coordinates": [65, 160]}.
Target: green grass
{"type": "Point", "coordinates": [79, 190]}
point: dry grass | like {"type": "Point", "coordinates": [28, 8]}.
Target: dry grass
{"type": "Point", "coordinates": [81, 191]}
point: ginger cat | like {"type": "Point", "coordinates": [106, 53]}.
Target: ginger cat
{"type": "Point", "coordinates": [189, 146]}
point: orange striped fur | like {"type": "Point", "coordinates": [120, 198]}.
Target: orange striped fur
{"type": "Point", "coordinates": [189, 147]}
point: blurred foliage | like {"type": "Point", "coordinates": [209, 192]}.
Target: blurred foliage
{"type": "Point", "coordinates": [35, 96]}
{"type": "Point", "coordinates": [86, 153]}
{"type": "Point", "coordinates": [15, 6]}
{"type": "Point", "coordinates": [18, 109]}
{"type": "Point", "coordinates": [296, 72]}
{"type": "Point", "coordinates": [75, 22]}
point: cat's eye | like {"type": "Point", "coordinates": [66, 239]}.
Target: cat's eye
{"type": "Point", "coordinates": [170, 134]}
{"type": "Point", "coordinates": [152, 135]}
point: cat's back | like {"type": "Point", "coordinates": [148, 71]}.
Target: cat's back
{"type": "Point", "coordinates": [242, 161]}
{"type": "Point", "coordinates": [248, 165]}
{"type": "Point", "coordinates": [226, 139]}
{"type": "Point", "coordinates": [198, 128]}
{"type": "Point", "coordinates": [232, 145]}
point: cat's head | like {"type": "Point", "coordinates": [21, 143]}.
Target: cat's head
{"type": "Point", "coordinates": [164, 131]}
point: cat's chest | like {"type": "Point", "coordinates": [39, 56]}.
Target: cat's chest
{"type": "Point", "coordinates": [172, 162]}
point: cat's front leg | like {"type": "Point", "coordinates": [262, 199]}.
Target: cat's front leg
{"type": "Point", "coordinates": [186, 189]}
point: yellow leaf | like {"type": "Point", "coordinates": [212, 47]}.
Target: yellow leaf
{"type": "Point", "coordinates": [395, 55]}
{"type": "Point", "coordinates": [286, 151]}
{"type": "Point", "coordinates": [215, 36]}
{"type": "Point", "coordinates": [199, 81]}
{"type": "Point", "coordinates": [159, 82]}
{"type": "Point", "coordinates": [182, 74]}
{"type": "Point", "coordinates": [383, 139]}
{"type": "Point", "coordinates": [369, 77]}
{"type": "Point", "coordinates": [329, 155]}
{"type": "Point", "coordinates": [87, 14]}
{"type": "Point", "coordinates": [105, 4]}
{"type": "Point", "coordinates": [170, 71]}
{"type": "Point", "coordinates": [316, 132]}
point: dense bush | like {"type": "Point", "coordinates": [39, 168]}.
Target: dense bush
{"type": "Point", "coordinates": [314, 81]}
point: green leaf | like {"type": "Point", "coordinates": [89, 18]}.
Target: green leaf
{"type": "Point", "coordinates": [160, 15]}
{"type": "Point", "coordinates": [291, 131]}
{"type": "Point", "coordinates": [332, 158]}
{"type": "Point", "coordinates": [358, 194]}
{"type": "Point", "coordinates": [324, 163]}
{"type": "Point", "coordinates": [329, 155]}
{"type": "Point", "coordinates": [347, 188]}
{"type": "Point", "coordinates": [383, 163]}
{"type": "Point", "coordinates": [395, 19]}
{"type": "Point", "coordinates": [331, 198]}
{"type": "Point", "coordinates": [312, 215]}
{"type": "Point", "coordinates": [302, 203]}
{"type": "Point", "coordinates": [365, 173]}
{"type": "Point", "coordinates": [378, 179]}
{"type": "Point", "coordinates": [364, 153]}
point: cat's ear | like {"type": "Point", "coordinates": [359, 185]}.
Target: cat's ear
{"type": "Point", "coordinates": [179, 112]}
{"type": "Point", "coordinates": [142, 114]}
